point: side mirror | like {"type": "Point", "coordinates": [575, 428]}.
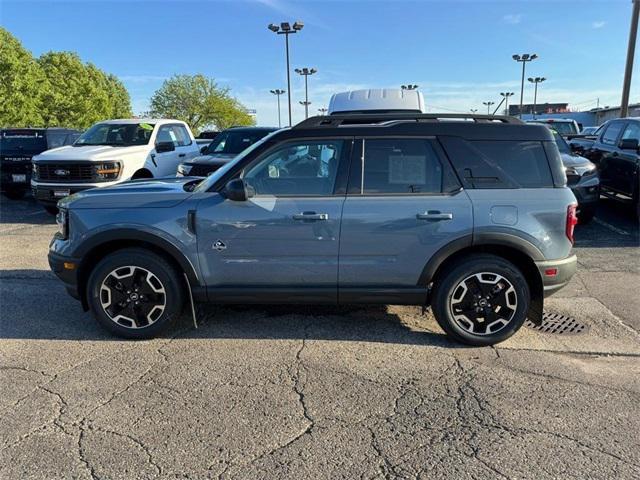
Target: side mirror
{"type": "Point", "coordinates": [628, 144]}
{"type": "Point", "coordinates": [162, 147]}
{"type": "Point", "coordinates": [237, 190]}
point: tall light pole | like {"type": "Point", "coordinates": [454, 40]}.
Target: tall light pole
{"type": "Point", "coordinates": [305, 72]}
{"type": "Point", "coordinates": [524, 58]}
{"type": "Point", "coordinates": [631, 50]}
{"type": "Point", "coordinates": [535, 81]}
{"type": "Point", "coordinates": [278, 92]}
{"type": "Point", "coordinates": [323, 111]}
{"type": "Point", "coordinates": [506, 96]}
{"type": "Point", "coordinates": [286, 29]}
{"type": "Point", "coordinates": [474, 110]}
{"type": "Point", "coordinates": [488, 104]}
{"type": "Point", "coordinates": [409, 87]}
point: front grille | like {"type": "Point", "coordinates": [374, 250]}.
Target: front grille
{"type": "Point", "coordinates": [200, 170]}
{"type": "Point", "coordinates": [67, 172]}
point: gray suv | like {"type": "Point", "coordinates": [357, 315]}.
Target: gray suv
{"type": "Point", "coordinates": [469, 215]}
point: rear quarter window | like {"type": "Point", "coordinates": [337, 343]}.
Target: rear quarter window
{"type": "Point", "coordinates": [483, 164]}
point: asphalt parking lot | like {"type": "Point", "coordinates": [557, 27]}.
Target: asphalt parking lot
{"type": "Point", "coordinates": [284, 392]}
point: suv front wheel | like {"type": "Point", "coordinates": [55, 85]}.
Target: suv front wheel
{"type": "Point", "coordinates": [135, 293]}
{"type": "Point", "coordinates": [481, 300]}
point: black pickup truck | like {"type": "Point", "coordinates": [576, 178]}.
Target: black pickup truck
{"type": "Point", "coordinates": [615, 151]}
{"type": "Point", "coordinates": [18, 145]}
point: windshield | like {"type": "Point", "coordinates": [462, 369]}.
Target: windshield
{"type": "Point", "coordinates": [22, 141]}
{"type": "Point", "coordinates": [234, 141]}
{"type": "Point", "coordinates": [208, 182]}
{"type": "Point", "coordinates": [562, 144]}
{"type": "Point", "coordinates": [116, 134]}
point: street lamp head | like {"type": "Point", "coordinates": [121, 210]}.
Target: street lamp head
{"type": "Point", "coordinates": [542, 79]}
{"type": "Point", "coordinates": [516, 57]}
{"type": "Point", "coordinates": [525, 56]}
{"type": "Point", "coordinates": [533, 57]}
{"type": "Point", "coordinates": [530, 79]}
{"type": "Point", "coordinates": [312, 71]}
{"type": "Point", "coordinates": [298, 25]}
{"type": "Point", "coordinates": [274, 28]}
{"type": "Point", "coordinates": [285, 27]}
{"type": "Point", "coordinates": [297, 70]}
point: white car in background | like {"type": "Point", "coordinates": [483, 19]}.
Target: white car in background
{"type": "Point", "coordinates": [111, 152]}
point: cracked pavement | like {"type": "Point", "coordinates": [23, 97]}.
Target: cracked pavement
{"type": "Point", "coordinates": [317, 392]}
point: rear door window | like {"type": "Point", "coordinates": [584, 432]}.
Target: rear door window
{"type": "Point", "coordinates": [395, 166]}
{"type": "Point", "coordinates": [631, 132]}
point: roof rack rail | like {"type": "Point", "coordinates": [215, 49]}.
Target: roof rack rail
{"type": "Point", "coordinates": [386, 119]}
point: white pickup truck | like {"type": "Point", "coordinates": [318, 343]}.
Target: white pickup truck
{"type": "Point", "coordinates": [111, 152]}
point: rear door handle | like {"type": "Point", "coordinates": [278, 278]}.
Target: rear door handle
{"type": "Point", "coordinates": [182, 155]}
{"type": "Point", "coordinates": [434, 216]}
{"type": "Point", "coordinates": [311, 216]}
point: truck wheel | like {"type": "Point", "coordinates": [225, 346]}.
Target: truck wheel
{"type": "Point", "coordinates": [14, 193]}
{"type": "Point", "coordinates": [481, 300]}
{"type": "Point", "coordinates": [135, 293]}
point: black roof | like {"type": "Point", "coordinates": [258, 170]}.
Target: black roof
{"type": "Point", "coordinates": [474, 127]}
{"type": "Point", "coordinates": [253, 128]}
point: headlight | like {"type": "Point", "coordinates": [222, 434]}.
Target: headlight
{"type": "Point", "coordinates": [184, 169]}
{"type": "Point", "coordinates": [34, 170]}
{"type": "Point", "coordinates": [108, 170]}
{"type": "Point", "coordinates": [62, 219]}
{"type": "Point", "coordinates": [581, 170]}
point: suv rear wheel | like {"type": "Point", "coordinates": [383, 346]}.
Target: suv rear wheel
{"type": "Point", "coordinates": [481, 300]}
{"type": "Point", "coordinates": [135, 293]}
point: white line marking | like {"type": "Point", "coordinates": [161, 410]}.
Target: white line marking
{"type": "Point", "coordinates": [611, 227]}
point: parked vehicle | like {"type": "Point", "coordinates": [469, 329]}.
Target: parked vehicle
{"type": "Point", "coordinates": [564, 126]}
{"type": "Point", "coordinates": [472, 218]}
{"type": "Point", "coordinates": [110, 152]}
{"type": "Point", "coordinates": [18, 146]}
{"type": "Point", "coordinates": [582, 179]}
{"type": "Point", "coordinates": [222, 149]}
{"type": "Point", "coordinates": [615, 152]}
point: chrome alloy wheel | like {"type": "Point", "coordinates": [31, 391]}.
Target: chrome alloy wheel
{"type": "Point", "coordinates": [132, 297]}
{"type": "Point", "coordinates": [483, 303]}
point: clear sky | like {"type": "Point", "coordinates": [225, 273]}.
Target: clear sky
{"type": "Point", "coordinates": [459, 52]}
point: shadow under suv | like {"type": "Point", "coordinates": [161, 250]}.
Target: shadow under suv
{"type": "Point", "coordinates": [469, 215]}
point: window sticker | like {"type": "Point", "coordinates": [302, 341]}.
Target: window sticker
{"type": "Point", "coordinates": [146, 126]}
{"type": "Point", "coordinates": [172, 134]}
{"type": "Point", "coordinates": [407, 169]}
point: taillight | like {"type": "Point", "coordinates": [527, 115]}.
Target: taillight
{"type": "Point", "coordinates": [572, 221]}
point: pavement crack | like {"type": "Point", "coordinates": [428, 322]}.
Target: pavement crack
{"type": "Point", "coordinates": [81, 454]}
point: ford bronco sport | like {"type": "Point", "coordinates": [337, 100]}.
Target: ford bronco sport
{"type": "Point", "coordinates": [467, 214]}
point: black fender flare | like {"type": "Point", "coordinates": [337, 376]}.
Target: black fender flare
{"type": "Point", "coordinates": [130, 234]}
{"type": "Point", "coordinates": [466, 241]}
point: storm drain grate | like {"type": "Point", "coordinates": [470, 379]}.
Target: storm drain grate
{"type": "Point", "coordinates": [558, 324]}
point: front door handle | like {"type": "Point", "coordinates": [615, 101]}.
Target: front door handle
{"type": "Point", "coordinates": [434, 216]}
{"type": "Point", "coordinates": [182, 155]}
{"type": "Point", "coordinates": [311, 216]}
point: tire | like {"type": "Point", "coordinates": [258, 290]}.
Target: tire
{"type": "Point", "coordinates": [484, 272]}
{"type": "Point", "coordinates": [53, 210]}
{"type": "Point", "coordinates": [586, 215]}
{"type": "Point", "coordinates": [14, 193]}
{"type": "Point", "coordinates": [135, 275]}
{"type": "Point", "coordinates": [142, 174]}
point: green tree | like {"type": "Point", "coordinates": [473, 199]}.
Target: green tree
{"type": "Point", "coordinates": [22, 84]}
{"type": "Point", "coordinates": [198, 101]}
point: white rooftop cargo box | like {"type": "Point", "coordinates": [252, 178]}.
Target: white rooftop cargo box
{"type": "Point", "coordinates": [377, 100]}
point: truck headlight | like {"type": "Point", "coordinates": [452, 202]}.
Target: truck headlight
{"type": "Point", "coordinates": [184, 169]}
{"type": "Point", "coordinates": [108, 170]}
{"type": "Point", "coordinates": [62, 219]}
{"type": "Point", "coordinates": [581, 170]}
{"type": "Point", "coordinates": [35, 170]}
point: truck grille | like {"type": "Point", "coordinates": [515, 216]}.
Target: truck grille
{"type": "Point", "coordinates": [66, 172]}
